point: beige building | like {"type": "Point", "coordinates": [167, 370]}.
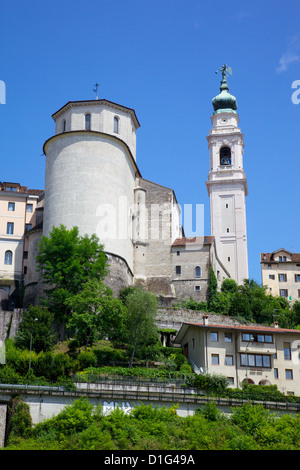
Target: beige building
{"type": "Point", "coordinates": [243, 353]}
{"type": "Point", "coordinates": [280, 272]}
{"type": "Point", "coordinates": [18, 216]}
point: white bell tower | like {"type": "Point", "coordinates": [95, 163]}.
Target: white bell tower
{"type": "Point", "coordinates": [227, 184]}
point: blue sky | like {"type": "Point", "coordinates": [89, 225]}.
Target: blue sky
{"type": "Point", "coordinates": [160, 57]}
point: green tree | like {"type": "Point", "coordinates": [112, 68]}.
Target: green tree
{"type": "Point", "coordinates": [212, 288]}
{"type": "Point", "coordinates": [67, 261]}
{"type": "Point", "coordinates": [95, 313]}
{"type": "Point", "coordinates": [36, 328]}
{"type": "Point", "coordinates": [229, 286]}
{"type": "Point", "coordinates": [140, 331]}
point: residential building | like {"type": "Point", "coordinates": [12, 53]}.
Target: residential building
{"type": "Point", "coordinates": [280, 272]}
{"type": "Point", "coordinates": [244, 353]}
{"type": "Point", "coordinates": [18, 216]}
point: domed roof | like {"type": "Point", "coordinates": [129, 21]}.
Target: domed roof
{"type": "Point", "coordinates": [224, 101]}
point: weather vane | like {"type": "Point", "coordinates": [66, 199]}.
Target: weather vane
{"type": "Point", "coordinates": [225, 68]}
{"type": "Point", "coordinates": [96, 89]}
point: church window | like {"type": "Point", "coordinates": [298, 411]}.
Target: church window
{"type": "Point", "coordinates": [8, 257]}
{"type": "Point", "coordinates": [87, 122]}
{"type": "Point", "coordinates": [64, 125]}
{"type": "Point", "coordinates": [197, 271]}
{"type": "Point", "coordinates": [116, 125]}
{"type": "Point", "coordinates": [225, 156]}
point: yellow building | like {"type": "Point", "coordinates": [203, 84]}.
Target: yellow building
{"type": "Point", "coordinates": [244, 353]}
{"type": "Point", "coordinates": [18, 216]}
{"type": "Point", "coordinates": [280, 272]}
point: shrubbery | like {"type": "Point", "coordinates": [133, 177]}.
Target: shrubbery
{"type": "Point", "coordinates": [80, 426]}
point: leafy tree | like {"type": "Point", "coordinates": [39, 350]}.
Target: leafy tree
{"type": "Point", "coordinates": [229, 286]}
{"type": "Point", "coordinates": [140, 330]}
{"type": "Point", "coordinates": [95, 312]}
{"type": "Point", "coordinates": [36, 328]}
{"type": "Point", "coordinates": [67, 261]}
{"type": "Point", "coordinates": [212, 288]}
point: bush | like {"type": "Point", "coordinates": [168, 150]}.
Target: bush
{"type": "Point", "coordinates": [208, 382]}
{"type": "Point", "coordinates": [19, 420]}
{"type": "Point", "coordinates": [87, 359]}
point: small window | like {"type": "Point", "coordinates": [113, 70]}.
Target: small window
{"type": "Point", "coordinates": [297, 277]}
{"type": "Point", "coordinates": [197, 271]}
{"type": "Point", "coordinates": [228, 337]}
{"type": "Point", "coordinates": [229, 360]}
{"type": "Point", "coordinates": [87, 122]}
{"type": "Point", "coordinates": [287, 351]}
{"type": "Point", "coordinates": [116, 125]}
{"type": "Point", "coordinates": [28, 227]}
{"type": "Point", "coordinates": [272, 276]}
{"type": "Point", "coordinates": [228, 258]}
{"type": "Point", "coordinates": [197, 288]}
{"type": "Point", "coordinates": [215, 359]}
{"type": "Point", "coordinates": [178, 253]}
{"type": "Point", "coordinates": [214, 336]}
{"type": "Point", "coordinates": [29, 207]}
{"type": "Point", "coordinates": [178, 270]}
{"type": "Point", "coordinates": [64, 126]}
{"type": "Point", "coordinates": [276, 373]}
{"type": "Point", "coordinates": [8, 257]}
{"type": "Point", "coordinates": [11, 206]}
{"type": "Point", "coordinates": [289, 374]}
{"type": "Point", "coordinates": [25, 255]}
{"type": "Point", "coordinates": [11, 188]}
{"type": "Point", "coordinates": [283, 293]}
{"type": "Point", "coordinates": [282, 277]}
{"type": "Point", "coordinates": [10, 228]}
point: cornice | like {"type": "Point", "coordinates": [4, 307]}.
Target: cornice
{"type": "Point", "coordinates": [102, 102]}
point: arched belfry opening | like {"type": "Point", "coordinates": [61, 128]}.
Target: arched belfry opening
{"type": "Point", "coordinates": [225, 156]}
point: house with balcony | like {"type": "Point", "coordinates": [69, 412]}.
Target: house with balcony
{"type": "Point", "coordinates": [253, 354]}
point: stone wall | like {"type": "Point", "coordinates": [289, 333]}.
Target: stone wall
{"type": "Point", "coordinates": [3, 413]}
{"type": "Point", "coordinates": [168, 317]}
{"type": "Point", "coordinates": [9, 322]}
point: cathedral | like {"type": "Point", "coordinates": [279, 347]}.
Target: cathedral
{"type": "Point", "coordinates": [93, 181]}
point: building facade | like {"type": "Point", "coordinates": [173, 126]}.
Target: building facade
{"type": "Point", "coordinates": [244, 353]}
{"type": "Point", "coordinates": [18, 206]}
{"type": "Point", "coordinates": [280, 272]}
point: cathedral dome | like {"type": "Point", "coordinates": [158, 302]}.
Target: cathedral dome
{"type": "Point", "coordinates": [224, 101]}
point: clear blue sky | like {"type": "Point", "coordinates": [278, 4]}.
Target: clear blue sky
{"type": "Point", "coordinates": [160, 57]}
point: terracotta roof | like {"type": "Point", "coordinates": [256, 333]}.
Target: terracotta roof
{"type": "Point", "coordinates": [197, 240]}
{"type": "Point", "coordinates": [268, 329]}
{"type": "Point", "coordinates": [269, 257]}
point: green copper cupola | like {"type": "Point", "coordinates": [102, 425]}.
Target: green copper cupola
{"type": "Point", "coordinates": [224, 102]}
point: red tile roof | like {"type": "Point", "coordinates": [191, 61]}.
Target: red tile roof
{"type": "Point", "coordinates": [244, 327]}
{"type": "Point", "coordinates": [197, 240]}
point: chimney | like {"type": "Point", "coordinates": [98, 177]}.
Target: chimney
{"type": "Point", "coordinates": [275, 324]}
{"type": "Point", "coordinates": [205, 319]}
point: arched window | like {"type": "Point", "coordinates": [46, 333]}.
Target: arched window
{"type": "Point", "coordinates": [116, 125]}
{"type": "Point", "coordinates": [197, 271]}
{"type": "Point", "coordinates": [87, 122]}
{"type": "Point", "coordinates": [64, 125]}
{"type": "Point", "coordinates": [225, 156]}
{"type": "Point", "coordinates": [8, 257]}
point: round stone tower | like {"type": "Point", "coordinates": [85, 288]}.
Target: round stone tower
{"type": "Point", "coordinates": [90, 175]}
